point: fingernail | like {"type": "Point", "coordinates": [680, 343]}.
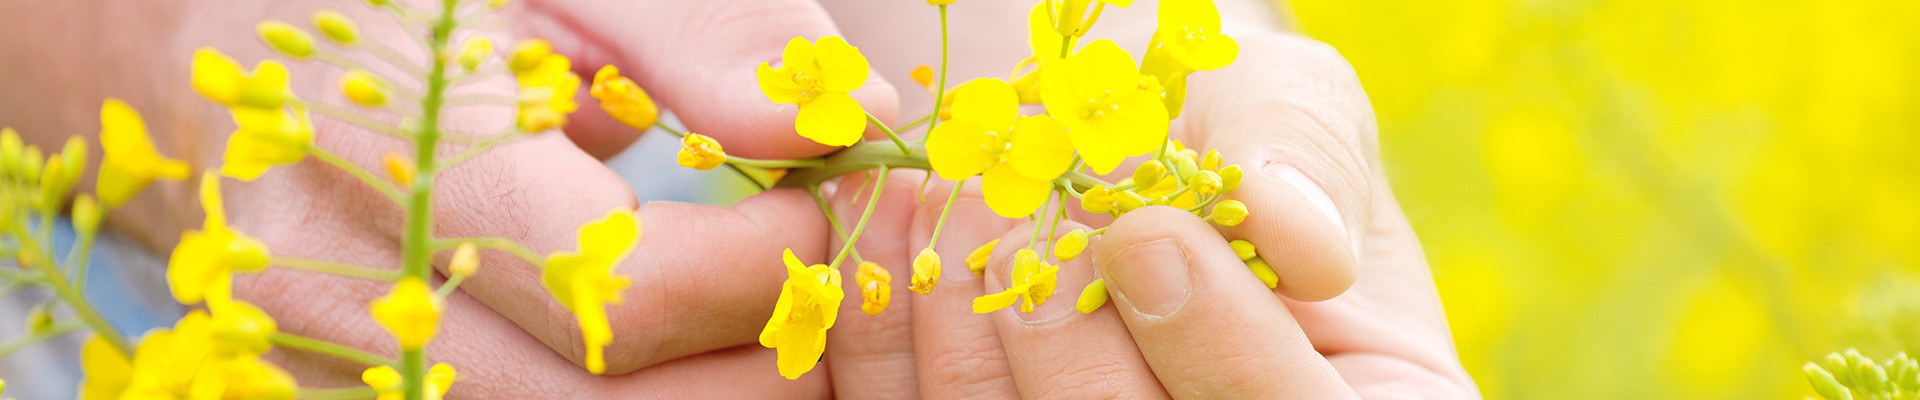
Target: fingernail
{"type": "Point", "coordinates": [1318, 197]}
{"type": "Point", "coordinates": [1151, 277]}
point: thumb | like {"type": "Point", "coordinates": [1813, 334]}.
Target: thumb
{"type": "Point", "coordinates": [1204, 323]}
{"type": "Point", "coordinates": [698, 58]}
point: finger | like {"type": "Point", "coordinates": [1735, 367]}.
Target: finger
{"type": "Point", "coordinates": [1294, 117]}
{"type": "Point", "coordinates": [871, 356]}
{"type": "Point", "coordinates": [1208, 327]}
{"type": "Point", "coordinates": [701, 270]}
{"type": "Point", "coordinates": [1057, 352]}
{"type": "Point", "coordinates": [494, 359]}
{"type": "Point", "coordinates": [958, 355]}
{"type": "Point", "coordinates": [698, 59]}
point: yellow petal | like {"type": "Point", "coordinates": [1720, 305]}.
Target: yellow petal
{"type": "Point", "coordinates": [107, 371]}
{"type": "Point", "coordinates": [833, 119]}
{"type": "Point", "coordinates": [799, 53]}
{"type": "Point", "coordinates": [958, 149]}
{"type": "Point", "coordinates": [1040, 148]}
{"type": "Point", "coordinates": [995, 302]}
{"type": "Point", "coordinates": [128, 161]}
{"type": "Point", "coordinates": [217, 76]}
{"type": "Point", "coordinates": [799, 351]}
{"type": "Point", "coordinates": [1012, 195]}
{"type": "Point", "coordinates": [989, 102]}
{"type": "Point", "coordinates": [842, 67]}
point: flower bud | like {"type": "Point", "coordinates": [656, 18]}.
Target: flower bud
{"type": "Point", "coordinates": [29, 166]}
{"type": "Point", "coordinates": [1825, 384]}
{"type": "Point", "coordinates": [336, 26]}
{"type": "Point", "coordinates": [923, 75]}
{"type": "Point", "coordinates": [476, 50]}
{"type": "Point", "coordinates": [977, 260]}
{"type": "Point", "coordinates": [39, 319]}
{"type": "Point", "coordinates": [399, 168]}
{"type": "Point", "coordinates": [466, 260]}
{"type": "Point", "coordinates": [1264, 272]}
{"type": "Point", "coordinates": [86, 215]}
{"type": "Point", "coordinates": [74, 153]}
{"type": "Point", "coordinates": [1229, 213]}
{"type": "Point", "coordinates": [1229, 178]}
{"type": "Point", "coordinates": [1205, 183]}
{"type": "Point", "coordinates": [1070, 246]}
{"type": "Point", "coordinates": [700, 152]}
{"type": "Point", "coordinates": [1244, 249]}
{"type": "Point", "coordinates": [623, 99]}
{"type": "Point", "coordinates": [926, 271]}
{"type": "Point", "coordinates": [363, 88]}
{"type": "Point", "coordinates": [1098, 200]}
{"type": "Point", "coordinates": [1092, 297]}
{"type": "Point", "coordinates": [528, 54]}
{"type": "Point", "coordinates": [1129, 201]}
{"type": "Point", "coordinates": [1183, 163]}
{"type": "Point", "coordinates": [1148, 174]}
{"type": "Point", "coordinates": [875, 287]}
{"type": "Point", "coordinates": [239, 327]}
{"type": "Point", "coordinates": [1212, 161]}
{"type": "Point", "coordinates": [54, 183]}
{"type": "Point", "coordinates": [286, 38]}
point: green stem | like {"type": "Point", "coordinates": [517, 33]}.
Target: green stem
{"type": "Point", "coordinates": [916, 123]}
{"type": "Point", "coordinates": [447, 288]}
{"type": "Point", "coordinates": [496, 243]}
{"type": "Point", "coordinates": [776, 164]}
{"type": "Point", "coordinates": [380, 185]}
{"type": "Point", "coordinates": [832, 219]}
{"type": "Point", "coordinates": [417, 254]}
{"type": "Point", "coordinates": [78, 259]}
{"type": "Point", "coordinates": [945, 208]}
{"type": "Point", "coordinates": [308, 344]}
{"type": "Point", "coordinates": [879, 185]}
{"type": "Point", "coordinates": [940, 92]}
{"type": "Point", "coordinates": [895, 137]}
{"type": "Point", "coordinates": [335, 268]}
{"type": "Point", "coordinates": [78, 303]}
{"type": "Point", "coordinates": [22, 341]}
{"type": "Point", "coordinates": [860, 157]}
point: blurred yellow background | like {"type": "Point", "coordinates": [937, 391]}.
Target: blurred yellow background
{"type": "Point", "coordinates": [1643, 199]}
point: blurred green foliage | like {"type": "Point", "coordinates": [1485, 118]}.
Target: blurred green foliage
{"type": "Point", "coordinates": [1652, 199]}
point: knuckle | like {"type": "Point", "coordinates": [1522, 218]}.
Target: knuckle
{"type": "Point", "coordinates": [1096, 377]}
{"type": "Point", "coordinates": [967, 368]}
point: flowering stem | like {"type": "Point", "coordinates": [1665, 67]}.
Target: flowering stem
{"type": "Point", "coordinates": [890, 135]}
{"type": "Point", "coordinates": [379, 185]}
{"type": "Point", "coordinates": [418, 250]}
{"type": "Point", "coordinates": [831, 218]}
{"type": "Point", "coordinates": [945, 208]}
{"type": "Point", "coordinates": [51, 275]}
{"type": "Point", "coordinates": [447, 288]}
{"type": "Point", "coordinates": [78, 257]}
{"type": "Point", "coordinates": [861, 157]}
{"type": "Point", "coordinates": [356, 119]}
{"type": "Point", "coordinates": [775, 164]}
{"type": "Point", "coordinates": [335, 268]}
{"type": "Point", "coordinates": [940, 92]}
{"type": "Point", "coordinates": [879, 185]}
{"type": "Point", "coordinates": [292, 341]}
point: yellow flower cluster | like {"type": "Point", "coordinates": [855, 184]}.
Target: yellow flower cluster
{"type": "Point", "coordinates": [583, 280]}
{"type": "Point", "coordinates": [274, 128]}
{"type": "Point", "coordinates": [809, 302]}
{"type": "Point", "coordinates": [547, 86]}
{"type": "Point", "coordinates": [817, 77]}
{"type": "Point", "coordinates": [204, 262]}
{"type": "Point", "coordinates": [204, 356]}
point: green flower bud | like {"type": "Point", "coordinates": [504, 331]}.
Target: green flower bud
{"type": "Point", "coordinates": [336, 26]}
{"type": "Point", "coordinates": [1070, 246]}
{"type": "Point", "coordinates": [1092, 297]}
{"type": "Point", "coordinates": [286, 38]}
{"type": "Point", "coordinates": [1205, 183]}
{"type": "Point", "coordinates": [1212, 161]}
{"type": "Point", "coordinates": [1825, 384]}
{"type": "Point", "coordinates": [1148, 174]}
{"type": "Point", "coordinates": [39, 319]}
{"type": "Point", "coordinates": [1229, 178]}
{"type": "Point", "coordinates": [87, 215]}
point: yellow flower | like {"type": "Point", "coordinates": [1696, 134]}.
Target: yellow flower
{"type": "Point", "coordinates": [977, 260]}
{"type": "Point", "coordinates": [701, 152]}
{"type": "Point", "coordinates": [220, 79]}
{"type": "Point", "coordinates": [410, 312]}
{"type": "Point", "coordinates": [192, 361]}
{"type": "Point", "coordinates": [546, 92]}
{"type": "Point", "coordinates": [809, 302]}
{"type": "Point", "coordinates": [817, 77]}
{"type": "Point", "coordinates": [266, 138]}
{"type": "Point", "coordinates": [240, 329]}
{"type": "Point", "coordinates": [876, 287]}
{"type": "Point", "coordinates": [387, 382]}
{"type": "Point", "coordinates": [623, 99]}
{"type": "Point", "coordinates": [583, 280]}
{"type": "Point", "coordinates": [1188, 39]}
{"type": "Point", "coordinates": [926, 271]}
{"type": "Point", "coordinates": [107, 371]}
{"type": "Point", "coordinates": [1033, 281]}
{"type": "Point", "coordinates": [129, 162]}
{"type": "Point", "coordinates": [1018, 157]}
{"type": "Point", "coordinates": [203, 263]}
{"type": "Point", "coordinates": [1110, 111]}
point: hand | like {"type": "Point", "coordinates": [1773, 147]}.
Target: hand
{"type": "Point", "coordinates": [699, 294]}
{"type": "Point", "coordinates": [1291, 112]}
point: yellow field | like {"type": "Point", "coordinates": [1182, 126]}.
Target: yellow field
{"type": "Point", "coordinates": [1640, 199]}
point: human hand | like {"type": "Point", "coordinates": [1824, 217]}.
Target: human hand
{"type": "Point", "coordinates": [1290, 110]}
{"type": "Point", "coordinates": [694, 275]}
